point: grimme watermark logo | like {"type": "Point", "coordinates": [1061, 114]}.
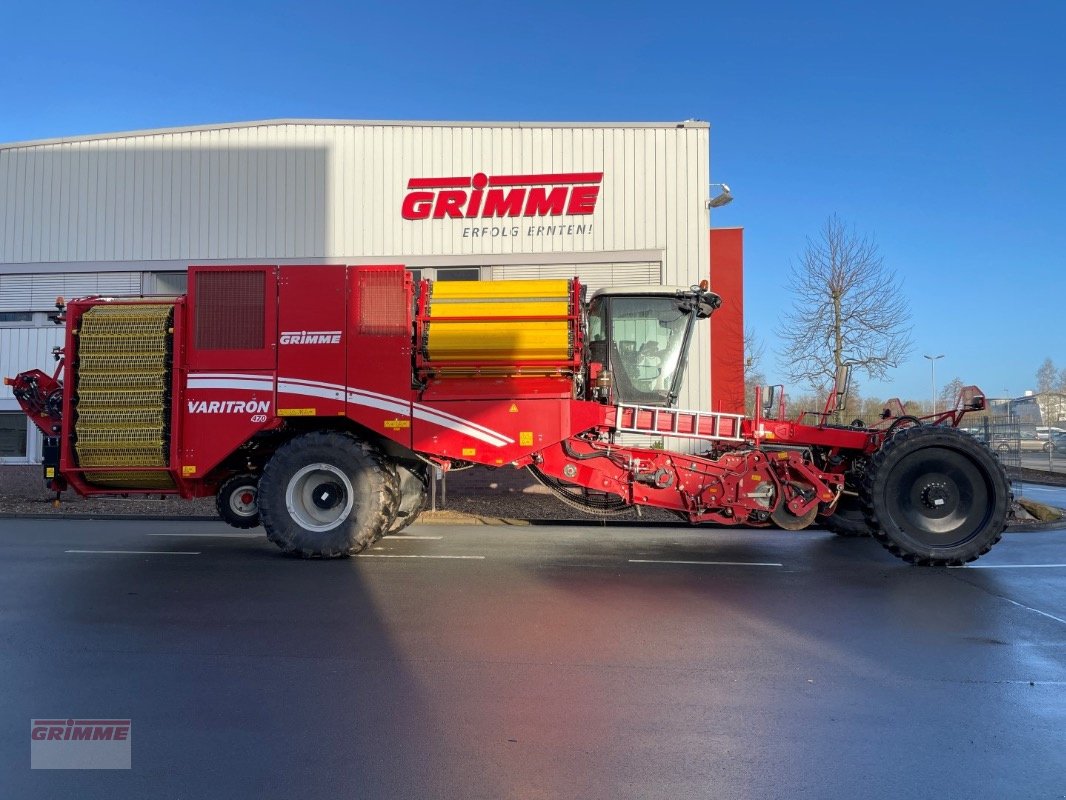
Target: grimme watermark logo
{"type": "Point", "coordinates": [80, 743]}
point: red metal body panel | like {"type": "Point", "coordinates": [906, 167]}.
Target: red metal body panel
{"type": "Point", "coordinates": [312, 337]}
{"type": "Point", "coordinates": [497, 388]}
{"type": "Point", "coordinates": [500, 431]}
{"type": "Point", "coordinates": [379, 390]}
{"type": "Point", "coordinates": [219, 412]}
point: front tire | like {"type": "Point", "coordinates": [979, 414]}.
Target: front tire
{"type": "Point", "coordinates": [237, 501]}
{"type": "Point", "coordinates": [936, 496]}
{"type": "Point", "coordinates": [326, 494]}
{"type": "Point", "coordinates": [848, 519]}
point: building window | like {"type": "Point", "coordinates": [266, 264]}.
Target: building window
{"type": "Point", "coordinates": [16, 316]}
{"type": "Point", "coordinates": [445, 273]}
{"type": "Point", "coordinates": [458, 274]}
{"type": "Point", "coordinates": [171, 283]}
{"type": "Point", "coordinates": [12, 434]}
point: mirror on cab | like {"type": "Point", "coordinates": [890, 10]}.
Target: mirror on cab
{"type": "Point", "coordinates": [767, 401]}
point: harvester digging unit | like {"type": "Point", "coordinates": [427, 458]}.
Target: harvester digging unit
{"type": "Point", "coordinates": [316, 399]}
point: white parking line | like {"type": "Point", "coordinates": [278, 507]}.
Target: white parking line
{"type": "Point", "coordinates": [1008, 566]}
{"type": "Point", "coordinates": [707, 563]}
{"type": "Point", "coordinates": [390, 555]}
{"type": "Point", "coordinates": [215, 535]}
{"type": "Point", "coordinates": [1035, 610]}
{"type": "Point", "coordinates": [140, 552]}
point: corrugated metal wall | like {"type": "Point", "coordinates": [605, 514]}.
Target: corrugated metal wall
{"type": "Point", "coordinates": [26, 348]}
{"type": "Point", "coordinates": [335, 190]}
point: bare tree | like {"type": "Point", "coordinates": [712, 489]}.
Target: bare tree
{"type": "Point", "coordinates": [950, 393]}
{"type": "Point", "coordinates": [753, 374]}
{"type": "Point", "coordinates": [848, 308]}
{"type": "Point", "coordinates": [1047, 376]}
{"type": "Point", "coordinates": [1051, 392]}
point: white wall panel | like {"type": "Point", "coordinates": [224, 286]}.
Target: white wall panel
{"type": "Point", "coordinates": [26, 348]}
{"type": "Point", "coordinates": [332, 190]}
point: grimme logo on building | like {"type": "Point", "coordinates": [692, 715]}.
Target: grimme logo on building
{"type": "Point", "coordinates": [506, 197]}
{"type": "Point", "coordinates": [80, 743]}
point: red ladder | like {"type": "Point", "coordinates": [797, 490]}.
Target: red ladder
{"type": "Point", "coordinates": [678, 422]}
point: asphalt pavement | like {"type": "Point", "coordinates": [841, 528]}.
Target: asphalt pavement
{"type": "Point", "coordinates": [534, 662]}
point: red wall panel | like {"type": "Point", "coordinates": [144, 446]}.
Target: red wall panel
{"type": "Point", "coordinates": [727, 323]}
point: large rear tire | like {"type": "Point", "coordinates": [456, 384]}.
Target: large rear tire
{"type": "Point", "coordinates": [326, 494]}
{"type": "Point", "coordinates": [414, 496]}
{"type": "Point", "coordinates": [936, 496]}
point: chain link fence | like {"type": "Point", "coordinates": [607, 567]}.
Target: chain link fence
{"type": "Point", "coordinates": [1020, 441]}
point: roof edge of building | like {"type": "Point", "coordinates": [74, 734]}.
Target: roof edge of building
{"type": "Point", "coordinates": [691, 123]}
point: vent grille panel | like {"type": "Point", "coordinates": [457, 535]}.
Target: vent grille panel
{"type": "Point", "coordinates": [230, 310]}
{"type": "Point", "coordinates": [382, 302]}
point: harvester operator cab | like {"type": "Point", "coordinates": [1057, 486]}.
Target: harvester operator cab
{"type": "Point", "coordinates": [638, 340]}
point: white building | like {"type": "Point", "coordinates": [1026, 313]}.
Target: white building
{"type": "Point", "coordinates": [127, 213]}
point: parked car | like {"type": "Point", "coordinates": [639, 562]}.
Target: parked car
{"type": "Point", "coordinates": [1024, 441]}
{"type": "Point", "coordinates": [1057, 444]}
{"type": "Point", "coordinates": [1048, 432]}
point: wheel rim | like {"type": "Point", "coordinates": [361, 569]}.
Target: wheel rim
{"type": "Point", "coordinates": [943, 498]}
{"type": "Point", "coordinates": [243, 501]}
{"type": "Point", "coordinates": [319, 497]}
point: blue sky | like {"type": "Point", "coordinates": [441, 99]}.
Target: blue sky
{"type": "Point", "coordinates": [938, 127]}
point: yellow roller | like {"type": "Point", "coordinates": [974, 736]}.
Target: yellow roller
{"type": "Point", "coordinates": [122, 412]}
{"type": "Point", "coordinates": [504, 336]}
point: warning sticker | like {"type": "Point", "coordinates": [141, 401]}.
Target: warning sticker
{"type": "Point", "coordinates": [525, 438]}
{"type": "Point", "coordinates": [296, 412]}
{"type": "Point", "coordinates": [469, 451]}
{"type": "Point", "coordinates": [188, 469]}
{"type": "Point", "coordinates": [397, 424]}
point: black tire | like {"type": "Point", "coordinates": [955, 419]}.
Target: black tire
{"type": "Point", "coordinates": [414, 496]}
{"type": "Point", "coordinates": [392, 498]}
{"type": "Point", "coordinates": [902, 423]}
{"type": "Point", "coordinates": [326, 494]}
{"type": "Point", "coordinates": [236, 501]}
{"type": "Point", "coordinates": [849, 519]}
{"type": "Point", "coordinates": [936, 496]}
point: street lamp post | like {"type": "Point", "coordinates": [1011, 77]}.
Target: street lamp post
{"type": "Point", "coordinates": [932, 376]}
